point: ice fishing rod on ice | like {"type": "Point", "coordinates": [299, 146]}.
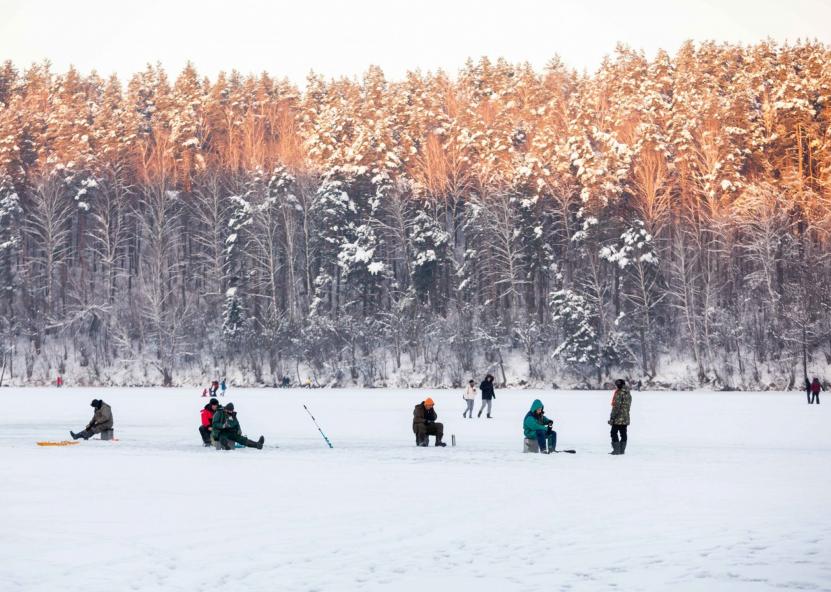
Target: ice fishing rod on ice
{"type": "Point", "coordinates": [317, 426]}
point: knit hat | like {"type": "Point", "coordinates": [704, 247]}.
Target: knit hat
{"type": "Point", "coordinates": [620, 383]}
{"type": "Point", "coordinates": [213, 401]}
{"type": "Point", "coordinates": [229, 406]}
{"type": "Point", "coordinates": [428, 402]}
{"type": "Point", "coordinates": [95, 403]}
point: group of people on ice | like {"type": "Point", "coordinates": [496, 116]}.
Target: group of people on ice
{"type": "Point", "coordinates": [221, 428]}
{"type": "Point", "coordinates": [536, 427]}
{"type": "Point", "coordinates": [488, 395]}
{"type": "Point", "coordinates": [216, 387]}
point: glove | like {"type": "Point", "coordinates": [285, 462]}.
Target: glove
{"type": "Point", "coordinates": [609, 422]}
{"type": "Point", "coordinates": [550, 422]}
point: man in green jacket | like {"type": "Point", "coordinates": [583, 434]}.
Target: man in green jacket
{"type": "Point", "coordinates": [538, 427]}
{"type": "Point", "coordinates": [225, 429]}
{"type": "Point", "coordinates": [619, 418]}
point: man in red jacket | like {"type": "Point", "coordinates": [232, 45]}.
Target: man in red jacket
{"type": "Point", "coordinates": [816, 387]}
{"type": "Point", "coordinates": [207, 419]}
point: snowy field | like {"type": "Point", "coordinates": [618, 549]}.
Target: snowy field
{"type": "Point", "coordinates": [716, 492]}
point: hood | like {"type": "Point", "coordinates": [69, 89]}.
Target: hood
{"type": "Point", "coordinates": [537, 404]}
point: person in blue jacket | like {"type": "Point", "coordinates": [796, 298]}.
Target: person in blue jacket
{"type": "Point", "coordinates": [538, 427]}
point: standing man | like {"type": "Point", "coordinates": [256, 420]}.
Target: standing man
{"type": "Point", "coordinates": [207, 421]}
{"type": "Point", "coordinates": [487, 395]}
{"type": "Point", "coordinates": [425, 424]}
{"type": "Point", "coordinates": [619, 419]}
{"type": "Point", "coordinates": [469, 397]}
{"type": "Point", "coordinates": [816, 387]}
{"type": "Point", "coordinates": [222, 387]}
{"type": "Point", "coordinates": [102, 420]}
{"type": "Point", "coordinates": [808, 389]}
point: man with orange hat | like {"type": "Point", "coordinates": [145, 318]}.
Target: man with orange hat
{"type": "Point", "coordinates": [425, 425]}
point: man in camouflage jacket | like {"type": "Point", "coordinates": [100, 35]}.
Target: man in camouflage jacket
{"type": "Point", "coordinates": [102, 420]}
{"type": "Point", "coordinates": [619, 418]}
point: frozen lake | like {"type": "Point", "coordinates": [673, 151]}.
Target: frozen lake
{"type": "Point", "coordinates": [717, 491]}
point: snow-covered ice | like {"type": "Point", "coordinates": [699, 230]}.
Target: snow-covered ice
{"type": "Point", "coordinates": [716, 492]}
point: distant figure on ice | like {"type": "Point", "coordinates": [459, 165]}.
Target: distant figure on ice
{"type": "Point", "coordinates": [204, 392]}
{"type": "Point", "coordinates": [212, 391]}
{"type": "Point", "coordinates": [619, 419]}
{"type": "Point", "coordinates": [808, 389]}
{"type": "Point", "coordinates": [59, 381]}
{"type": "Point", "coordinates": [537, 426]}
{"type": "Point", "coordinates": [222, 387]}
{"type": "Point", "coordinates": [425, 424]}
{"type": "Point", "coordinates": [308, 383]}
{"type": "Point", "coordinates": [469, 397]}
{"type": "Point", "coordinates": [207, 421]}
{"type": "Point", "coordinates": [286, 383]}
{"type": "Point", "coordinates": [487, 395]}
{"type": "Point", "coordinates": [226, 429]}
{"type": "Point", "coordinates": [102, 420]}
{"type": "Point", "coordinates": [816, 387]}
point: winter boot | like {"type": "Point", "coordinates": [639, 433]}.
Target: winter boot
{"type": "Point", "coordinates": [479, 414]}
{"type": "Point", "coordinates": [489, 416]}
{"type": "Point", "coordinates": [623, 446]}
{"type": "Point", "coordinates": [252, 444]}
{"type": "Point", "coordinates": [85, 434]}
{"type": "Point", "coordinates": [440, 443]}
{"type": "Point", "coordinates": [615, 448]}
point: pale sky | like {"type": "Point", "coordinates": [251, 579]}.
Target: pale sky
{"type": "Point", "coordinates": [344, 38]}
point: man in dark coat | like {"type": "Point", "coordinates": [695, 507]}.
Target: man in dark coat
{"type": "Point", "coordinates": [207, 417]}
{"type": "Point", "coordinates": [816, 387]}
{"type": "Point", "coordinates": [425, 424]}
{"type": "Point", "coordinates": [808, 389]}
{"type": "Point", "coordinates": [487, 395]}
{"type": "Point", "coordinates": [226, 429]}
{"type": "Point", "coordinates": [619, 419]}
{"type": "Point", "coordinates": [102, 420]}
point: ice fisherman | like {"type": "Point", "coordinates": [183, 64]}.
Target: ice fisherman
{"type": "Point", "coordinates": [425, 424]}
{"type": "Point", "coordinates": [102, 420]}
{"type": "Point", "coordinates": [226, 429]}
{"type": "Point", "coordinates": [207, 416]}
{"type": "Point", "coordinates": [537, 426]}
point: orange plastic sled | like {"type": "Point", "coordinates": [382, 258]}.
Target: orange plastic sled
{"type": "Point", "coordinates": [61, 443]}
